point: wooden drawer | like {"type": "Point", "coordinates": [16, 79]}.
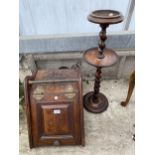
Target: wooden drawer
{"type": "Point", "coordinates": [54, 110]}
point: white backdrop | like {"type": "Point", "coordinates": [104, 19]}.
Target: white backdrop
{"type": "Point", "coordinates": [48, 17]}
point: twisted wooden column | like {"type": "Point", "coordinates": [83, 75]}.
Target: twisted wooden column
{"type": "Point", "coordinates": [97, 84]}
{"type": "Point", "coordinates": [101, 47]}
{"type": "Point", "coordinates": [95, 101]}
{"type": "Point", "coordinates": [101, 43]}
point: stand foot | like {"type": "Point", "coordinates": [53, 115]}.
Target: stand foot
{"type": "Point", "coordinates": [93, 107]}
{"type": "Point", "coordinates": [123, 104]}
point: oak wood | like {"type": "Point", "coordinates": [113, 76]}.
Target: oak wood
{"type": "Point", "coordinates": [99, 57]}
{"type": "Point", "coordinates": [55, 110]}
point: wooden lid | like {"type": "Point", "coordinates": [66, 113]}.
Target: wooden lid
{"type": "Point", "coordinates": [52, 74]}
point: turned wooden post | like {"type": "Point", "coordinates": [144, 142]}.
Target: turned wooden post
{"type": "Point", "coordinates": [99, 57]}
{"type": "Point", "coordinates": [97, 84]}
{"type": "Point", "coordinates": [101, 47]}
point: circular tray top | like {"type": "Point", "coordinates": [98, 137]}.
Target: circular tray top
{"type": "Point", "coordinates": [110, 57]}
{"type": "Point", "coordinates": [105, 17]}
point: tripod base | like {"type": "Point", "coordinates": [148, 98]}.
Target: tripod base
{"type": "Point", "coordinates": [95, 107]}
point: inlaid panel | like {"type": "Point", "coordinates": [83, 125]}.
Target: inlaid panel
{"type": "Point", "coordinates": [55, 119]}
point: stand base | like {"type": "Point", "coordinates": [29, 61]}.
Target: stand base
{"type": "Point", "coordinates": [93, 107]}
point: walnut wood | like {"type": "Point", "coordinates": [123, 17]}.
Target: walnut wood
{"type": "Point", "coordinates": [55, 110]}
{"type": "Point", "coordinates": [130, 89]}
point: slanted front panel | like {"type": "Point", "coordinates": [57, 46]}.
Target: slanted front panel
{"type": "Point", "coordinates": [55, 119]}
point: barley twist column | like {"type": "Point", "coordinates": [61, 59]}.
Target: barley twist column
{"type": "Point", "coordinates": [99, 57]}
{"type": "Point", "coordinates": [101, 47]}
{"type": "Point", "coordinates": [97, 84]}
{"type": "Point", "coordinates": [101, 43]}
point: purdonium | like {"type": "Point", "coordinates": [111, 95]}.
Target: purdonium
{"type": "Point", "coordinates": [54, 109]}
